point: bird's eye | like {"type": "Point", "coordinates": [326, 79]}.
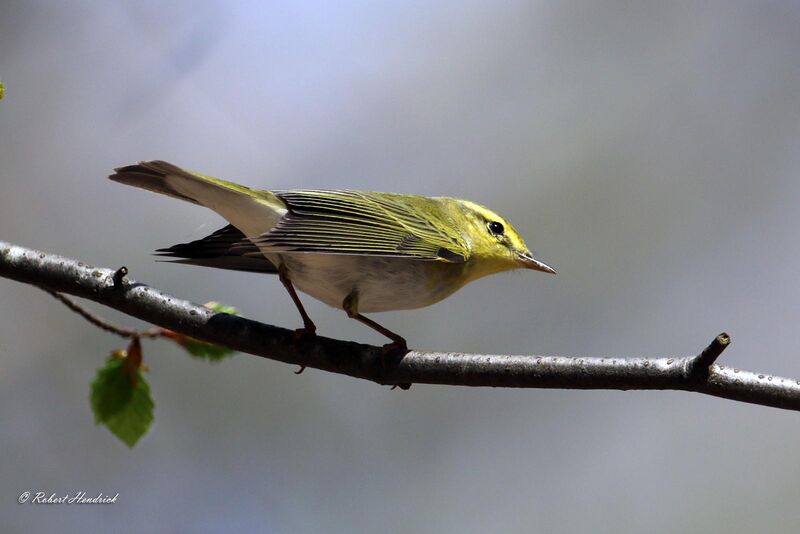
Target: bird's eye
{"type": "Point", "coordinates": [496, 228]}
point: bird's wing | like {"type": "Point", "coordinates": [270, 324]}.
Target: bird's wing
{"type": "Point", "coordinates": [227, 248]}
{"type": "Point", "coordinates": [361, 223]}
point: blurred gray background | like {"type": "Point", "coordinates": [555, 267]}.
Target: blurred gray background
{"type": "Point", "coordinates": [648, 152]}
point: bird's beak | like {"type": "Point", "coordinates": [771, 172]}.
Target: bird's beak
{"type": "Point", "coordinates": [529, 262]}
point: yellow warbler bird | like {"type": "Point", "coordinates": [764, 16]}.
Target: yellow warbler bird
{"type": "Point", "coordinates": [359, 251]}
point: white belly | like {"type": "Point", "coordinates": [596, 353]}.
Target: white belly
{"type": "Point", "coordinates": [382, 283]}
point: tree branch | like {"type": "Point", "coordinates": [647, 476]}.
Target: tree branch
{"type": "Point", "coordinates": [105, 286]}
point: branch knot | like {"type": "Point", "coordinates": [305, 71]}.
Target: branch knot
{"type": "Point", "coordinates": [699, 367]}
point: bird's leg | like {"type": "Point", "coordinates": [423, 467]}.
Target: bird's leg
{"type": "Point", "coordinates": [350, 305]}
{"type": "Point", "coordinates": [309, 328]}
{"type": "Point", "coordinates": [398, 342]}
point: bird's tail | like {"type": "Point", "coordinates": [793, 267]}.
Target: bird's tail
{"type": "Point", "coordinates": [252, 211]}
{"type": "Point", "coordinates": [152, 175]}
{"type": "Point", "coordinates": [168, 179]}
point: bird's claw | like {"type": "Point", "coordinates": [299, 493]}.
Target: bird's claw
{"type": "Point", "coordinates": [305, 334]}
{"type": "Point", "coordinates": [398, 345]}
{"type": "Point", "coordinates": [398, 348]}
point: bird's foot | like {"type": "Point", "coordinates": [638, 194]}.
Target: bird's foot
{"type": "Point", "coordinates": [399, 345]}
{"type": "Point", "coordinates": [396, 348]}
{"type": "Point", "coordinates": [305, 334]}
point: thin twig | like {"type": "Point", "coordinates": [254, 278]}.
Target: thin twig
{"type": "Point", "coordinates": [694, 373]}
{"type": "Point", "coordinates": [100, 322]}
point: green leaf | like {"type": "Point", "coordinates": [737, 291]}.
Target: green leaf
{"type": "Point", "coordinates": [206, 351]}
{"type": "Point", "coordinates": [222, 308]}
{"type": "Point", "coordinates": [126, 409]}
{"type": "Point", "coordinates": [201, 349]}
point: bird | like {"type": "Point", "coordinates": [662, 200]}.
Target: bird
{"type": "Point", "coordinates": [359, 251]}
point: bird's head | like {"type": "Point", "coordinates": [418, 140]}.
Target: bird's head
{"type": "Point", "coordinates": [496, 245]}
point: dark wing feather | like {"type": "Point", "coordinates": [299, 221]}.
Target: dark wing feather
{"type": "Point", "coordinates": [226, 248]}
{"type": "Point", "coordinates": [360, 223]}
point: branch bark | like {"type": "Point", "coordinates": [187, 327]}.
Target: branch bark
{"type": "Point", "coordinates": [110, 287]}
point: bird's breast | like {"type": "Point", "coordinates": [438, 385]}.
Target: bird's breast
{"type": "Point", "coordinates": [382, 283]}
